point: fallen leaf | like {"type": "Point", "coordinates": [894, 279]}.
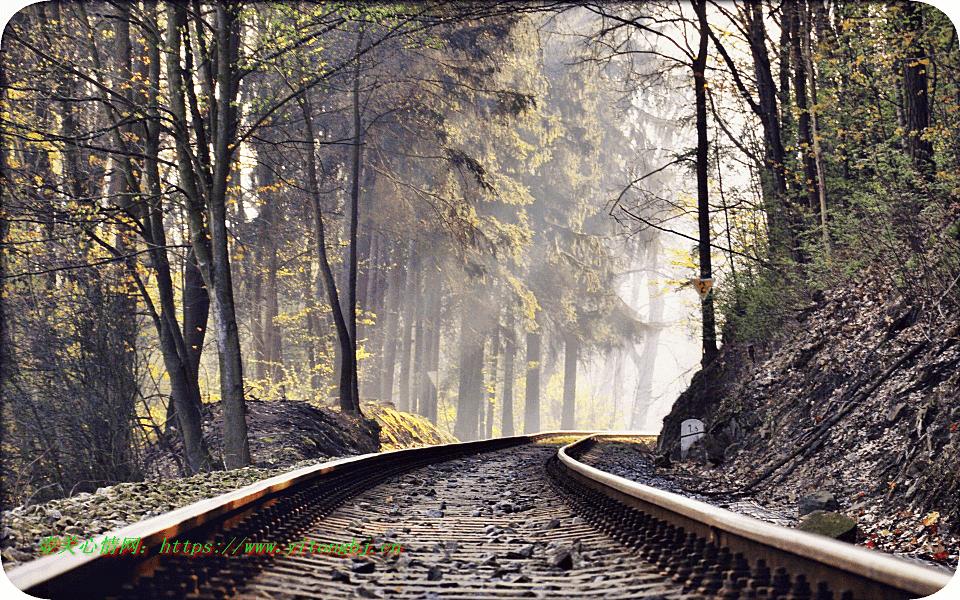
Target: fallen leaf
{"type": "Point", "coordinates": [930, 519]}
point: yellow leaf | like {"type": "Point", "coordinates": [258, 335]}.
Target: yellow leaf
{"type": "Point", "coordinates": [930, 519]}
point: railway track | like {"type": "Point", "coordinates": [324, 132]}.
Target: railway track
{"type": "Point", "coordinates": [507, 518]}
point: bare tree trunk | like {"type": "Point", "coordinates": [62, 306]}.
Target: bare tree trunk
{"type": "Point", "coordinates": [181, 351]}
{"type": "Point", "coordinates": [236, 449]}
{"type": "Point", "coordinates": [349, 402]}
{"type": "Point", "coordinates": [471, 377]}
{"type": "Point", "coordinates": [434, 369]}
{"type": "Point", "coordinates": [259, 331]}
{"type": "Point", "coordinates": [568, 409]}
{"type": "Point", "coordinates": [817, 156]}
{"type": "Point", "coordinates": [799, 34]}
{"type": "Point", "coordinates": [492, 388]}
{"type": "Point", "coordinates": [419, 348]}
{"type": "Point", "coordinates": [509, 351]}
{"type": "Point", "coordinates": [703, 201]}
{"type": "Point", "coordinates": [916, 102]}
{"type": "Point", "coordinates": [429, 320]}
{"type": "Point", "coordinates": [389, 352]}
{"type": "Point", "coordinates": [406, 350]}
{"type": "Point", "coordinates": [374, 303]}
{"type": "Point", "coordinates": [208, 232]}
{"type": "Point", "coordinates": [312, 325]}
{"type": "Point", "coordinates": [531, 407]}
{"type": "Point", "coordinates": [646, 362]}
{"type": "Point", "coordinates": [196, 310]}
{"type": "Point", "coordinates": [274, 353]}
{"type": "Point", "coordinates": [349, 378]}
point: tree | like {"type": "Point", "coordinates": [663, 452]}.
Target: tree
{"type": "Point", "coordinates": [703, 197]}
{"type": "Point", "coordinates": [205, 195]}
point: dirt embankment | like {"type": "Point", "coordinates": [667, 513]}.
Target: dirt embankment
{"type": "Point", "coordinates": [282, 432]}
{"type": "Point", "coordinates": [861, 398]}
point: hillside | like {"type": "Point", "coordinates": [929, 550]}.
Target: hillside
{"type": "Point", "coordinates": [858, 397]}
{"type": "Point", "coordinates": [285, 435]}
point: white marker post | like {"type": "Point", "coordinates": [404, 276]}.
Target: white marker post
{"type": "Point", "coordinates": [691, 430]}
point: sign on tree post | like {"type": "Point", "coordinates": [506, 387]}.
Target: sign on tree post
{"type": "Point", "coordinates": [703, 286]}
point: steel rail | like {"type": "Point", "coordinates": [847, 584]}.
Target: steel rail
{"type": "Point", "coordinates": [861, 572]}
{"type": "Point", "coordinates": [62, 575]}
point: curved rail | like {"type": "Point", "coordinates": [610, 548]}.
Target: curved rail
{"type": "Point", "coordinates": [94, 575]}
{"type": "Point", "coordinates": [860, 572]}
{"type": "Point", "coordinates": [670, 531]}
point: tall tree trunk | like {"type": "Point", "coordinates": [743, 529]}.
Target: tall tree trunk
{"type": "Point", "coordinates": [817, 156]}
{"type": "Point", "coordinates": [471, 377]}
{"type": "Point", "coordinates": [349, 378]}
{"type": "Point", "coordinates": [389, 352]}
{"type": "Point", "coordinates": [348, 401]}
{"type": "Point", "coordinates": [208, 232]}
{"type": "Point", "coordinates": [406, 349]}
{"type": "Point", "coordinates": [799, 33]}
{"type": "Point", "coordinates": [429, 321]}
{"type": "Point", "coordinates": [531, 406]}
{"type": "Point", "coordinates": [916, 103]}
{"type": "Point", "coordinates": [786, 28]}
{"type": "Point", "coordinates": [269, 345]}
{"type": "Point", "coordinates": [196, 310]}
{"type": "Point", "coordinates": [778, 210]}
{"type": "Point", "coordinates": [236, 449]}
{"type": "Point", "coordinates": [181, 350]}
{"type": "Point", "coordinates": [568, 410]}
{"type": "Point", "coordinates": [313, 327]}
{"type": "Point", "coordinates": [492, 387]}
{"type": "Point", "coordinates": [646, 362]}
{"type": "Point", "coordinates": [509, 352]}
{"type": "Point", "coordinates": [434, 363]}
{"type": "Point", "coordinates": [271, 328]}
{"type": "Point", "coordinates": [373, 303]}
{"type": "Point", "coordinates": [259, 332]}
{"type": "Point", "coordinates": [419, 349]}
{"type": "Point", "coordinates": [703, 200]}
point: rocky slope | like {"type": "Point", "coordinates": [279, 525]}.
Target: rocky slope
{"type": "Point", "coordinates": [860, 396]}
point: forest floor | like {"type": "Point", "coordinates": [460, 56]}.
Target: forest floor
{"type": "Point", "coordinates": [284, 435]}
{"type": "Point", "coordinates": [859, 397]}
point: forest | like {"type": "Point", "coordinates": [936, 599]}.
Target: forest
{"type": "Point", "coordinates": [460, 208]}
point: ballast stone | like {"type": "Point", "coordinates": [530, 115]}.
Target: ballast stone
{"type": "Point", "coordinates": [830, 524]}
{"type": "Point", "coordinates": [819, 500]}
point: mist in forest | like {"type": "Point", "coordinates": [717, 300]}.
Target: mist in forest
{"type": "Point", "coordinates": [487, 214]}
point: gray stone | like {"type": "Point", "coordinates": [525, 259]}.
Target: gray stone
{"type": "Point", "coordinates": [830, 524]}
{"type": "Point", "coordinates": [53, 514]}
{"type": "Point", "coordinates": [363, 566]}
{"type": "Point", "coordinates": [561, 559]}
{"type": "Point", "coordinates": [819, 500]}
{"type": "Point", "coordinates": [522, 552]}
{"type": "Point", "coordinates": [894, 413]}
{"type": "Point", "coordinates": [12, 554]}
